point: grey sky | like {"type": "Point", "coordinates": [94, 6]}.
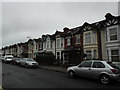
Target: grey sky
{"type": "Point", "coordinates": [23, 19]}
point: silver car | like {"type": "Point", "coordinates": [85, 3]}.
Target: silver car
{"type": "Point", "coordinates": [102, 70]}
{"type": "Point", "coordinates": [28, 62]}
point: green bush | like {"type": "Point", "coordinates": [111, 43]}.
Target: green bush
{"type": "Point", "coordinates": [45, 58]}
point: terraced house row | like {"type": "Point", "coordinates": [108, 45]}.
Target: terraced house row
{"type": "Point", "coordinates": [98, 40]}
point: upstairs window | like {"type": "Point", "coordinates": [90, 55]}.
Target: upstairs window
{"type": "Point", "coordinates": [48, 44]}
{"type": "Point", "coordinates": [87, 38]}
{"type": "Point", "coordinates": [94, 38]}
{"type": "Point", "coordinates": [58, 43]}
{"type": "Point", "coordinates": [44, 44]}
{"type": "Point", "coordinates": [40, 46]}
{"type": "Point", "coordinates": [77, 39]}
{"type": "Point", "coordinates": [113, 33]}
{"type": "Point", "coordinates": [68, 41]}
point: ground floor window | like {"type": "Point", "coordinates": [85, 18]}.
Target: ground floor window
{"type": "Point", "coordinates": [89, 54]}
{"type": "Point", "coordinates": [94, 54]}
{"type": "Point", "coordinates": [115, 55]}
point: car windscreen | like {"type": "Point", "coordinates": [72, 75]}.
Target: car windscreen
{"type": "Point", "coordinates": [18, 59]}
{"type": "Point", "coordinates": [113, 65]}
{"type": "Point", "coordinates": [30, 59]}
{"type": "Point", "coordinates": [9, 57]}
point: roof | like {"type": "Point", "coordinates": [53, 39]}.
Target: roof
{"type": "Point", "coordinates": [44, 37]}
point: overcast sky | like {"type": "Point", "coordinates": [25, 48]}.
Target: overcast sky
{"type": "Point", "coordinates": [33, 19]}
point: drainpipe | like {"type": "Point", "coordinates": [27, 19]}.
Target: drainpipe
{"type": "Point", "coordinates": [81, 47]}
{"type": "Point", "coordinates": [55, 48]}
{"type": "Point", "coordinates": [99, 44]}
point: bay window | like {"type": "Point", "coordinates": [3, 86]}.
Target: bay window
{"type": "Point", "coordinates": [89, 54]}
{"type": "Point", "coordinates": [94, 38]}
{"type": "Point", "coordinates": [87, 38]}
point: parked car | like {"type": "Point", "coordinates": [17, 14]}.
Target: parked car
{"type": "Point", "coordinates": [117, 64]}
{"type": "Point", "coordinates": [102, 70]}
{"type": "Point", "coordinates": [2, 58]}
{"type": "Point", "coordinates": [28, 62]}
{"type": "Point", "coordinates": [7, 58]}
{"type": "Point", "coordinates": [16, 61]}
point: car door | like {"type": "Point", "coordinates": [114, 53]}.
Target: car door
{"type": "Point", "coordinates": [96, 69]}
{"type": "Point", "coordinates": [84, 69]}
{"type": "Point", "coordinates": [22, 62]}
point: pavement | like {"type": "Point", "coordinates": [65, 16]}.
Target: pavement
{"type": "Point", "coordinates": [54, 68]}
{"type": "Point", "coordinates": [0, 88]}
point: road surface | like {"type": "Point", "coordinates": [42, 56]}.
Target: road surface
{"type": "Point", "coordinates": [21, 77]}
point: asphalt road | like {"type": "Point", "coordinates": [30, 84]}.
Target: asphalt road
{"type": "Point", "coordinates": [21, 77]}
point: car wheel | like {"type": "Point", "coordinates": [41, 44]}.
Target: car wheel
{"type": "Point", "coordinates": [71, 74]}
{"type": "Point", "coordinates": [26, 65]}
{"type": "Point", "coordinates": [105, 79]}
{"type": "Point", "coordinates": [11, 62]}
{"type": "Point", "coordinates": [20, 64]}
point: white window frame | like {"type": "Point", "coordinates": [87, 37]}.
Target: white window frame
{"type": "Point", "coordinates": [77, 39]}
{"type": "Point", "coordinates": [93, 55]}
{"type": "Point", "coordinates": [40, 46]}
{"type": "Point", "coordinates": [94, 38]}
{"type": "Point", "coordinates": [108, 34]}
{"type": "Point", "coordinates": [88, 53]}
{"type": "Point", "coordinates": [58, 42]}
{"type": "Point", "coordinates": [68, 43]}
{"type": "Point", "coordinates": [85, 38]}
{"type": "Point", "coordinates": [44, 45]}
{"type": "Point", "coordinates": [114, 55]}
{"type": "Point", "coordinates": [48, 44]}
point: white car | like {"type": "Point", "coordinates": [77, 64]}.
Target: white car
{"type": "Point", "coordinates": [28, 62]}
{"type": "Point", "coordinates": [7, 58]}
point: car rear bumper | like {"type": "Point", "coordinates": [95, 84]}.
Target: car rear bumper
{"type": "Point", "coordinates": [33, 65]}
{"type": "Point", "coordinates": [7, 60]}
{"type": "Point", "coordinates": [115, 76]}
